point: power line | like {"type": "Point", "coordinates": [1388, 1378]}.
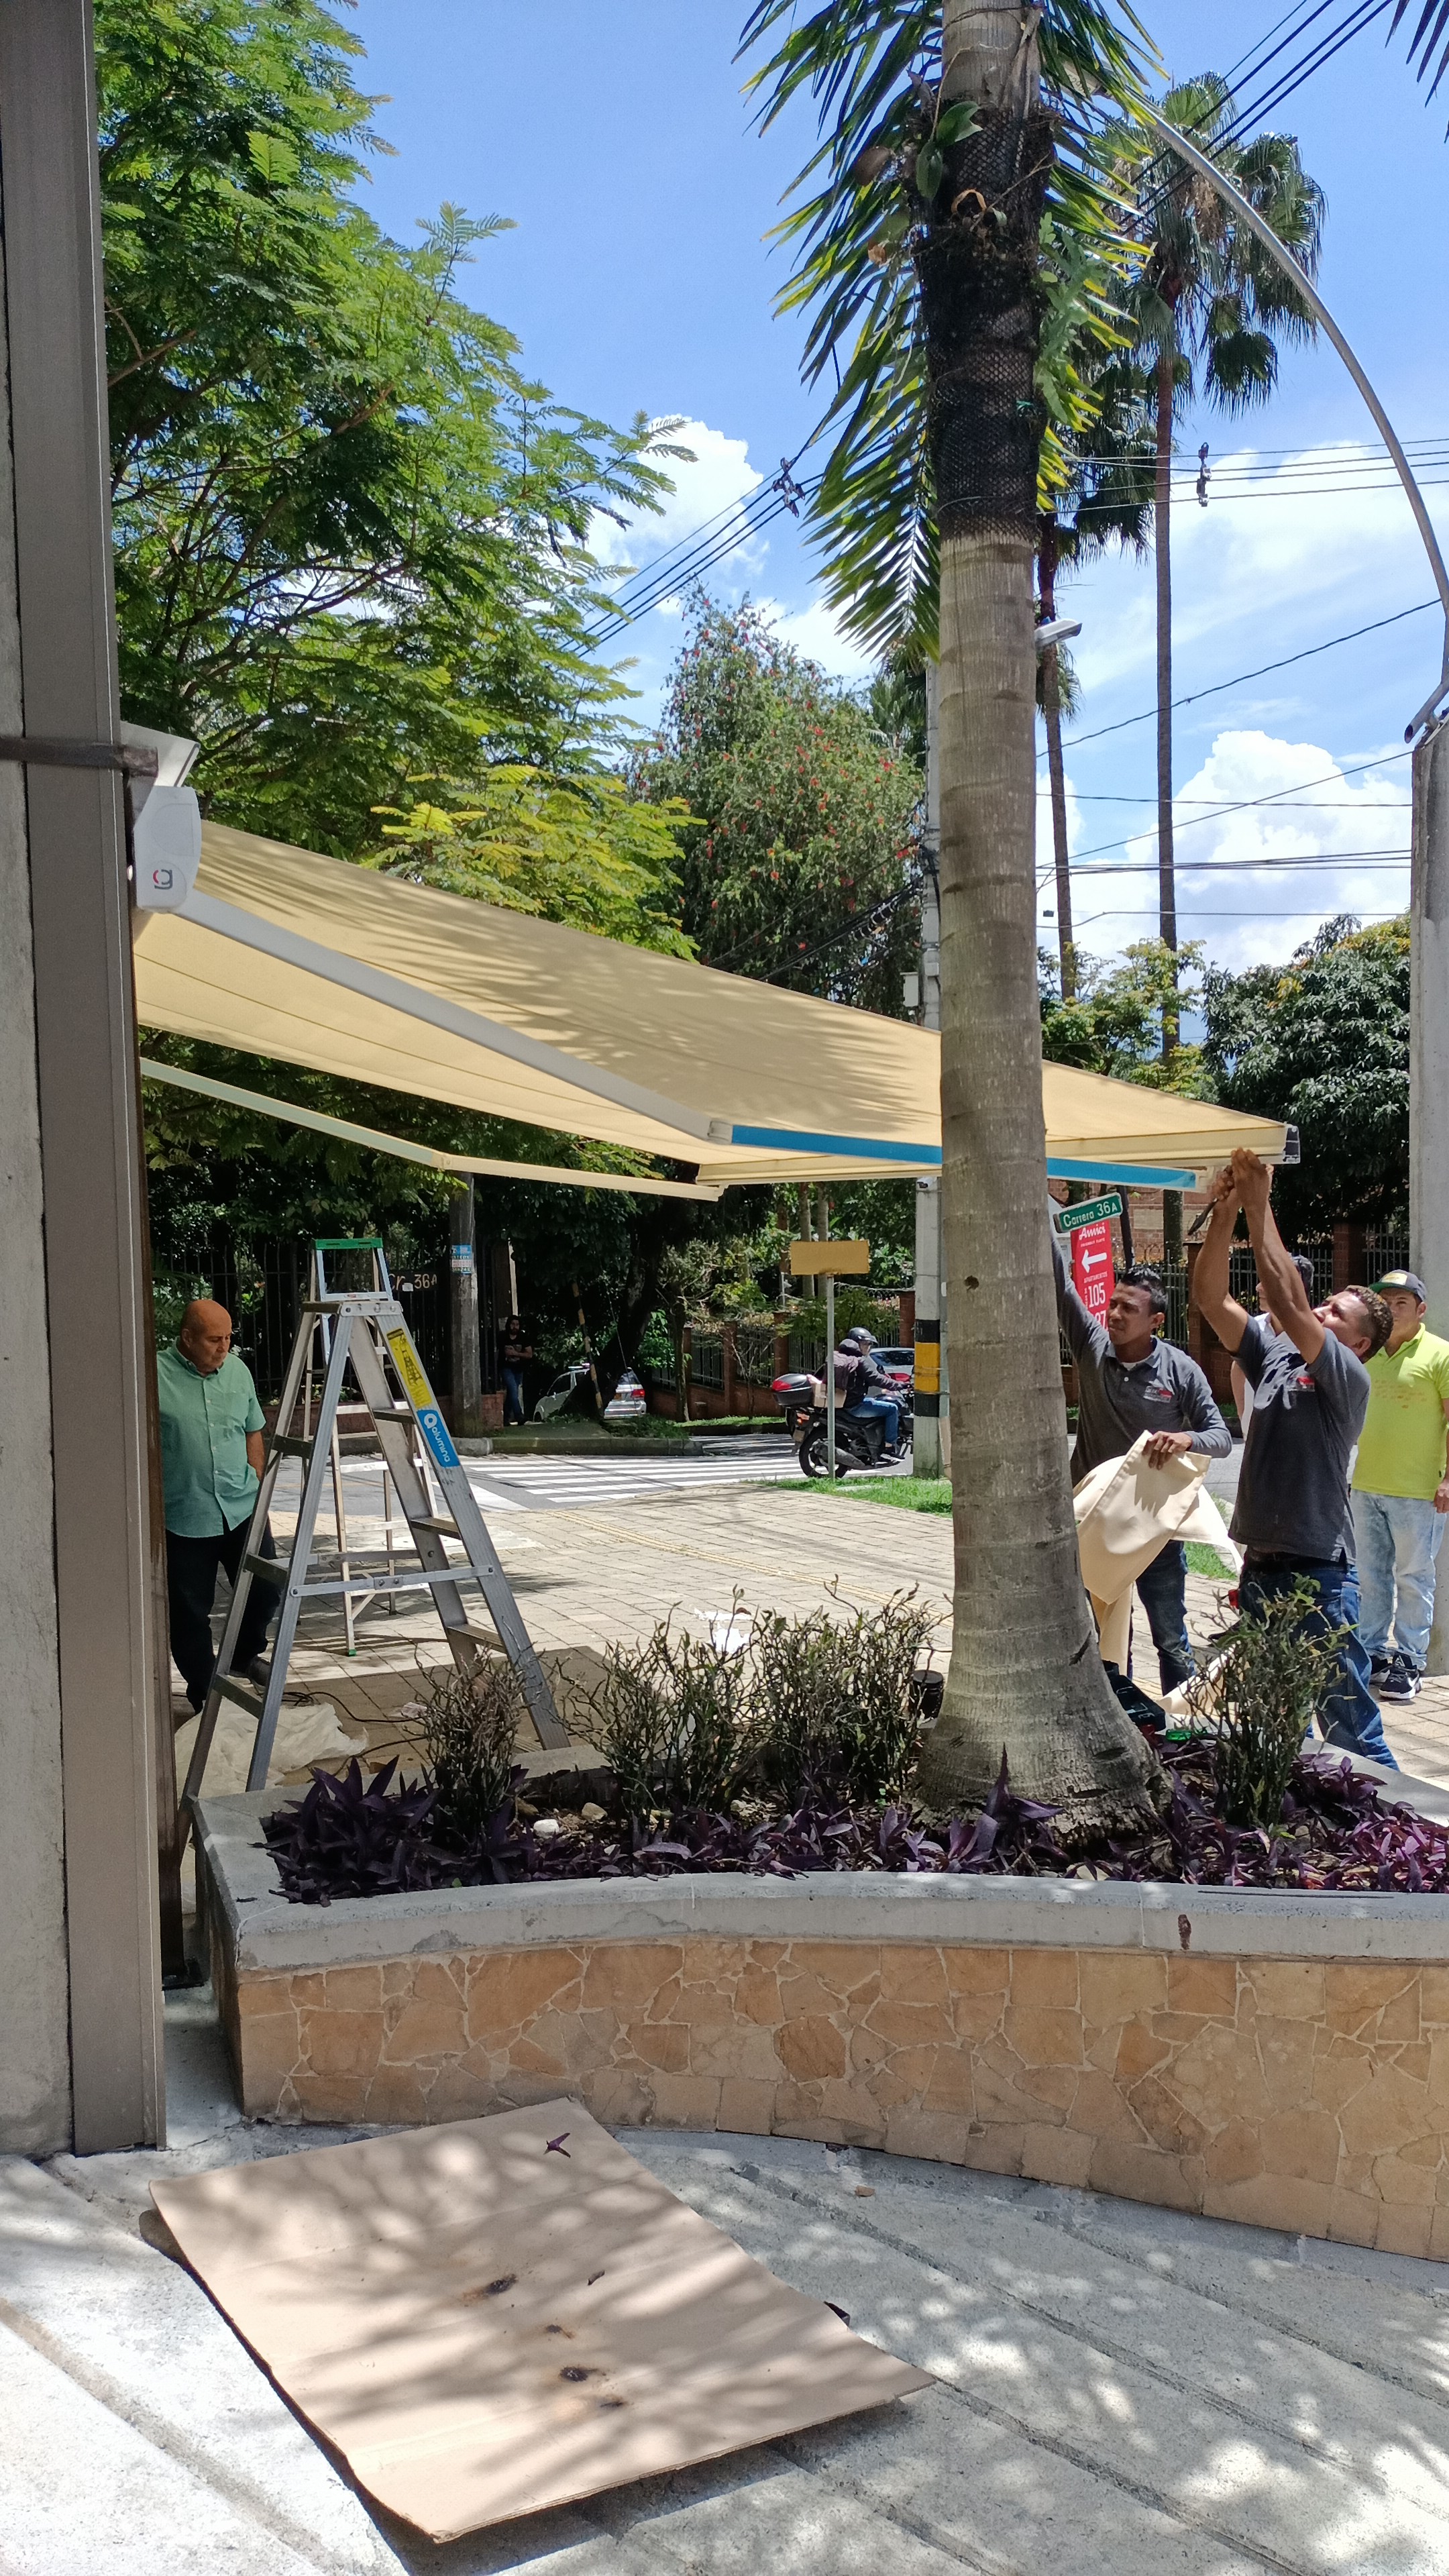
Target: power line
{"type": "Point", "coordinates": [1254, 804]}
{"type": "Point", "coordinates": [1321, 859]}
{"type": "Point", "coordinates": [1263, 671]}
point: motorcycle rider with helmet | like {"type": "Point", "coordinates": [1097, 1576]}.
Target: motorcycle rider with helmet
{"type": "Point", "coordinates": [863, 1390]}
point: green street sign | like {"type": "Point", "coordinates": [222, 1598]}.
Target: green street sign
{"type": "Point", "coordinates": [1090, 1211]}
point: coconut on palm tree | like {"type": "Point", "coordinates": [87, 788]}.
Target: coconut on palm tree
{"type": "Point", "coordinates": [951, 255]}
{"type": "Point", "coordinates": [1212, 310]}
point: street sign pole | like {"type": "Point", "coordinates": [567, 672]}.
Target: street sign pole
{"type": "Point", "coordinates": [830, 1373]}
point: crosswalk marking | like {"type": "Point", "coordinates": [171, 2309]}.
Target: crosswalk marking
{"type": "Point", "coordinates": [541, 1483]}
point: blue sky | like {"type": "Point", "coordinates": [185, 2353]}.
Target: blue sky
{"type": "Point", "coordinates": [639, 278]}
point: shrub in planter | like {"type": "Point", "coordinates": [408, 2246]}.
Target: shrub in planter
{"type": "Point", "coordinates": [1265, 1680]}
{"type": "Point", "coordinates": [672, 1719]}
{"type": "Point", "coordinates": [467, 1728]}
{"type": "Point", "coordinates": [838, 1702]}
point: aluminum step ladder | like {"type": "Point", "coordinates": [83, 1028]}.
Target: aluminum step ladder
{"type": "Point", "coordinates": [368, 1332]}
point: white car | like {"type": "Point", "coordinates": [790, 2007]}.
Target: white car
{"type": "Point", "coordinates": [560, 1394]}
{"type": "Point", "coordinates": [628, 1402]}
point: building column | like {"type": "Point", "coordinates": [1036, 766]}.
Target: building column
{"type": "Point", "coordinates": [78, 1878]}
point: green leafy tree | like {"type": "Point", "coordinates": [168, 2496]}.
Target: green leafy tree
{"type": "Point", "coordinates": [577, 850]}
{"type": "Point", "coordinates": [953, 240]}
{"type": "Point", "coordinates": [1324, 1042]}
{"type": "Point", "coordinates": [1112, 1020]}
{"type": "Point", "coordinates": [802, 864]}
{"type": "Point", "coordinates": [350, 532]}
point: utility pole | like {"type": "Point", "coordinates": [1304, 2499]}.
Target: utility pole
{"type": "Point", "coordinates": [929, 1451]}
{"type": "Point", "coordinates": [1429, 1062]}
{"type": "Point", "coordinates": [466, 1371]}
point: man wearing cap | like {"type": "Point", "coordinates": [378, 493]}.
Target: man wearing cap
{"type": "Point", "coordinates": [1401, 1491]}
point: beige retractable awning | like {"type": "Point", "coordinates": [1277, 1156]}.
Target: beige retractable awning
{"type": "Point", "coordinates": [286, 954]}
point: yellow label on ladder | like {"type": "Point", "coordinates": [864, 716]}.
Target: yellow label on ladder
{"type": "Point", "coordinates": [420, 1396]}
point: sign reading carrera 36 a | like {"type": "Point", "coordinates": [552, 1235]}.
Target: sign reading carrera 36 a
{"type": "Point", "coordinates": [1089, 1212]}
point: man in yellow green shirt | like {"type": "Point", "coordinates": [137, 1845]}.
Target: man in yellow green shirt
{"type": "Point", "coordinates": [1401, 1491]}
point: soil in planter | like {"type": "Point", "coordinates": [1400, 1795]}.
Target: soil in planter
{"type": "Point", "coordinates": [358, 1837]}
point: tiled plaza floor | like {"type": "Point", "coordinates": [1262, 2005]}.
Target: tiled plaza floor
{"type": "Point", "coordinates": [585, 1577]}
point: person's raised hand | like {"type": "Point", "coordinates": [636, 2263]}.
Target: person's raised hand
{"type": "Point", "coordinates": [1254, 1179]}
{"type": "Point", "coordinates": [1166, 1444]}
{"type": "Point", "coordinates": [1223, 1186]}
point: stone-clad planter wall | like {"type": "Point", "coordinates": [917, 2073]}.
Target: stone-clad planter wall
{"type": "Point", "coordinates": [1283, 2060]}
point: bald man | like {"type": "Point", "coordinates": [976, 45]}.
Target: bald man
{"type": "Point", "coordinates": [211, 1458]}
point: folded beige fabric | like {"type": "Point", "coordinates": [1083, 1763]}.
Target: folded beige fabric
{"type": "Point", "coordinates": [1126, 1512]}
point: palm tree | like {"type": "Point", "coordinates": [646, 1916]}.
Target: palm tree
{"type": "Point", "coordinates": [1211, 310]}
{"type": "Point", "coordinates": [1108, 492]}
{"type": "Point", "coordinates": [939, 257]}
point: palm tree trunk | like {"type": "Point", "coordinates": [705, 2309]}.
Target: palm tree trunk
{"type": "Point", "coordinates": [1166, 861]}
{"type": "Point", "coordinates": [1025, 1676]}
{"type": "Point", "coordinates": [1056, 774]}
{"type": "Point", "coordinates": [1162, 515]}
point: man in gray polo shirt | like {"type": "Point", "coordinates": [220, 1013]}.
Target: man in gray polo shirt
{"type": "Point", "coordinates": [1129, 1382]}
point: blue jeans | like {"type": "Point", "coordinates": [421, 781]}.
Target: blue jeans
{"type": "Point", "coordinates": [1349, 1716]}
{"type": "Point", "coordinates": [1162, 1589]}
{"type": "Point", "coordinates": [512, 1395]}
{"type": "Point", "coordinates": [877, 1408]}
{"type": "Point", "coordinates": [1399, 1539]}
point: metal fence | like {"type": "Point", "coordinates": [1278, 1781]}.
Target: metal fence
{"type": "Point", "coordinates": [263, 1284]}
{"type": "Point", "coordinates": [1383, 1251]}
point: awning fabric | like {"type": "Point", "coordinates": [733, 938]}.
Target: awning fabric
{"type": "Point", "coordinates": [286, 954]}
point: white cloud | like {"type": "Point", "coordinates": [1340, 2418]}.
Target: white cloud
{"type": "Point", "coordinates": [706, 496]}
{"type": "Point", "coordinates": [1247, 909]}
{"type": "Point", "coordinates": [816, 632]}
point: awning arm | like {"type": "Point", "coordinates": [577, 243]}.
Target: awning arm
{"type": "Point", "coordinates": [642, 1184]}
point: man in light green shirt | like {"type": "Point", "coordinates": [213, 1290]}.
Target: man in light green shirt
{"type": "Point", "coordinates": [1401, 1491]}
{"type": "Point", "coordinates": [211, 1462]}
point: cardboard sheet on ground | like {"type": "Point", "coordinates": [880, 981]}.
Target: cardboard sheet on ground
{"type": "Point", "coordinates": [483, 2327]}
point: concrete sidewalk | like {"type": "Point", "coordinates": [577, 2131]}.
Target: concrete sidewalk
{"type": "Point", "coordinates": [1118, 2391]}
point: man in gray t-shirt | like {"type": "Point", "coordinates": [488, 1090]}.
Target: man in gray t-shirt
{"type": "Point", "coordinates": [1310, 1393]}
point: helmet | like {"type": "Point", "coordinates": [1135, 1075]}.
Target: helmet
{"type": "Point", "coordinates": [860, 1340]}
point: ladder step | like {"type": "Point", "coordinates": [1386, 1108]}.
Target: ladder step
{"type": "Point", "coordinates": [246, 1699]}
{"type": "Point", "coordinates": [435, 1521]}
{"type": "Point", "coordinates": [270, 1568]}
{"type": "Point", "coordinates": [486, 1637]}
{"type": "Point", "coordinates": [293, 1448]}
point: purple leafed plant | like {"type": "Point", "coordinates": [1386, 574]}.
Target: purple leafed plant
{"type": "Point", "coordinates": [350, 1837]}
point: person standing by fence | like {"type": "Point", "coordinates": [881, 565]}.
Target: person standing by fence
{"type": "Point", "coordinates": [514, 1352]}
{"type": "Point", "coordinates": [1401, 1491]}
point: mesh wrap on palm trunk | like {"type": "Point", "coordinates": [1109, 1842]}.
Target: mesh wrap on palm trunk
{"type": "Point", "coordinates": [981, 299]}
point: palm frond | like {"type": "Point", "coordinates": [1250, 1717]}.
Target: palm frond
{"type": "Point", "coordinates": [872, 69]}
{"type": "Point", "coordinates": [1429, 43]}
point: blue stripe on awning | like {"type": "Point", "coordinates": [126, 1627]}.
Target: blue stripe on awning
{"type": "Point", "coordinates": [1137, 1176]}
{"type": "Point", "coordinates": [876, 1149]}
